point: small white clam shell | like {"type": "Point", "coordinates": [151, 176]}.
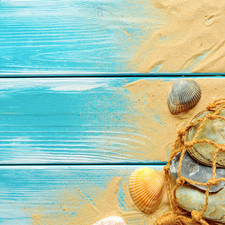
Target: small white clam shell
{"type": "Point", "coordinates": [183, 96]}
{"type": "Point", "coordinates": [111, 220]}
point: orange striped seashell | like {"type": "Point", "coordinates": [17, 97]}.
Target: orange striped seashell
{"type": "Point", "coordinates": [146, 189]}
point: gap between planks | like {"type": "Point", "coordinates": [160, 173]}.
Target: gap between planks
{"type": "Point", "coordinates": [111, 75]}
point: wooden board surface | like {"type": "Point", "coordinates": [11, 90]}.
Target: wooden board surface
{"type": "Point", "coordinates": [77, 38]}
{"type": "Point", "coordinates": [64, 121]}
{"type": "Point", "coordinates": [71, 36]}
{"type": "Point", "coordinates": [55, 194]}
{"type": "Point", "coordinates": [86, 120]}
{"type": "Point", "coordinates": [79, 122]}
{"type": "Point", "coordinates": [69, 121]}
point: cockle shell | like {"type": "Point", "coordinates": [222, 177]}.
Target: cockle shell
{"type": "Point", "coordinates": [111, 220]}
{"type": "Point", "coordinates": [212, 130]}
{"type": "Point", "coordinates": [183, 96]}
{"type": "Point", "coordinates": [146, 189]}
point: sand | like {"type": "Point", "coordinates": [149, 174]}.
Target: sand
{"type": "Point", "coordinates": [191, 38]}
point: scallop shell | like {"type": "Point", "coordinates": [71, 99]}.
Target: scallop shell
{"type": "Point", "coordinates": [146, 189]}
{"type": "Point", "coordinates": [183, 96]}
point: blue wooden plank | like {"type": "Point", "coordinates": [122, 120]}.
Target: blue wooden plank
{"type": "Point", "coordinates": [107, 36]}
{"type": "Point", "coordinates": [68, 121]}
{"type": "Point", "coordinates": [71, 36]}
{"type": "Point", "coordinates": [90, 121]}
{"type": "Point", "coordinates": [61, 194]}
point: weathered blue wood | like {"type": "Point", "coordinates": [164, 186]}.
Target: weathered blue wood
{"type": "Point", "coordinates": [69, 121]}
{"type": "Point", "coordinates": [47, 190]}
{"type": "Point", "coordinates": [48, 36]}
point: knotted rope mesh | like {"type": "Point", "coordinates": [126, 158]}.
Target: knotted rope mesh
{"type": "Point", "coordinates": [177, 215]}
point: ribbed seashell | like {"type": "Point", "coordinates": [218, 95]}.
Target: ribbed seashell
{"type": "Point", "coordinates": [183, 96]}
{"type": "Point", "coordinates": [146, 189]}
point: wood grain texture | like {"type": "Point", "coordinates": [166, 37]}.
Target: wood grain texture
{"type": "Point", "coordinates": [44, 194]}
{"type": "Point", "coordinates": [84, 36]}
{"type": "Point", "coordinates": [72, 121]}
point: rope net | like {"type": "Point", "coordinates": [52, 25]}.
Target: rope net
{"type": "Point", "coordinates": [177, 215]}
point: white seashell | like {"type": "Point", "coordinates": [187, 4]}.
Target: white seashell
{"type": "Point", "coordinates": [146, 189]}
{"type": "Point", "coordinates": [183, 96]}
{"type": "Point", "coordinates": [111, 220]}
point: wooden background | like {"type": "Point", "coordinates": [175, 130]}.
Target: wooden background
{"type": "Point", "coordinates": [58, 131]}
{"type": "Point", "coordinates": [64, 37]}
